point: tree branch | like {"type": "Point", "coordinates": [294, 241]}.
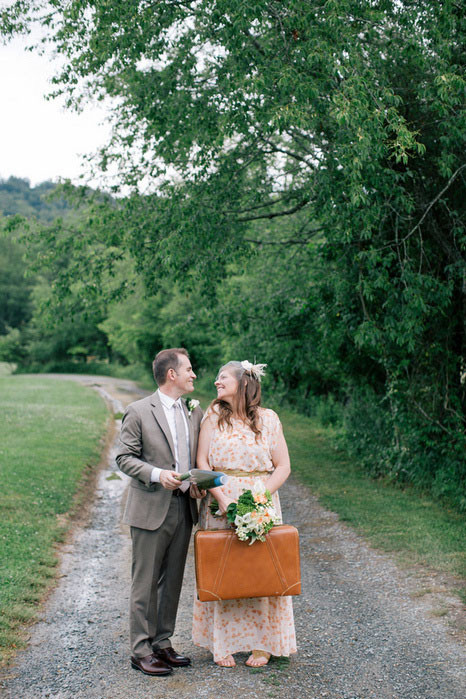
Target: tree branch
{"type": "Point", "coordinates": [254, 41]}
{"type": "Point", "coordinates": [299, 139]}
{"type": "Point", "coordinates": [290, 241]}
{"type": "Point", "coordinates": [276, 149]}
{"type": "Point", "coordinates": [258, 206]}
{"type": "Point", "coordinates": [435, 200]}
{"type": "Point", "coordinates": [431, 419]}
{"type": "Point", "coordinates": [288, 212]}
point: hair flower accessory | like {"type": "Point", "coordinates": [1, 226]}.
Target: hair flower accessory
{"type": "Point", "coordinates": [256, 370]}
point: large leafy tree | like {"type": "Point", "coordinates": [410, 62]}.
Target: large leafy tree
{"type": "Point", "coordinates": [333, 130]}
{"type": "Point", "coordinates": [18, 198]}
{"type": "Point", "coordinates": [15, 289]}
{"type": "Point", "coordinates": [267, 109]}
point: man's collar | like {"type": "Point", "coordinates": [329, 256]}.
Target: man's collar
{"type": "Point", "coordinates": [167, 401]}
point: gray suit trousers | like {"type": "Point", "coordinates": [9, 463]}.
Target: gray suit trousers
{"type": "Point", "coordinates": [157, 574]}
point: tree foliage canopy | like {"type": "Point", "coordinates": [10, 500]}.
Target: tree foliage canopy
{"type": "Point", "coordinates": [302, 164]}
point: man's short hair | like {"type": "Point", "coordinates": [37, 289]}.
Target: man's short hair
{"type": "Point", "coordinates": [166, 359]}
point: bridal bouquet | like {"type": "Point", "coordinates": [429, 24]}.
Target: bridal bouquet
{"type": "Point", "coordinates": [253, 515]}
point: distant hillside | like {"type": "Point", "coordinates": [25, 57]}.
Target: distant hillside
{"type": "Point", "coordinates": [18, 197]}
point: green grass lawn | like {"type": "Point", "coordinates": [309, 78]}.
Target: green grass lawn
{"type": "Point", "coordinates": [416, 529]}
{"type": "Point", "coordinates": [51, 437]}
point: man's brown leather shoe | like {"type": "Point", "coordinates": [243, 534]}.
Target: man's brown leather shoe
{"type": "Point", "coordinates": [151, 665]}
{"type": "Point", "coordinates": [171, 657]}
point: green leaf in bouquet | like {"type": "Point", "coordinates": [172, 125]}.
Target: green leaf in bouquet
{"type": "Point", "coordinates": [231, 512]}
{"type": "Point", "coordinates": [246, 503]}
{"type": "Point", "coordinates": [247, 499]}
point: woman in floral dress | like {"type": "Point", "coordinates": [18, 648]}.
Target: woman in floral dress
{"type": "Point", "coordinates": [246, 442]}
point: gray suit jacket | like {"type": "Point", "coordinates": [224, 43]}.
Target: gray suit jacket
{"type": "Point", "coordinates": [145, 442]}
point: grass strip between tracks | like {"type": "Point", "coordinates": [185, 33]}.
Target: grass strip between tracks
{"type": "Point", "coordinates": [52, 436]}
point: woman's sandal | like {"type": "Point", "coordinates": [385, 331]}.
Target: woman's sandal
{"type": "Point", "coordinates": [228, 661]}
{"type": "Point", "coordinates": [258, 658]}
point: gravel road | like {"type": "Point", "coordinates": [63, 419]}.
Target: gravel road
{"type": "Point", "coordinates": [365, 629]}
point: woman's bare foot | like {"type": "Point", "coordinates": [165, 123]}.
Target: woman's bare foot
{"type": "Point", "coordinates": [258, 658]}
{"type": "Point", "coordinates": [228, 661]}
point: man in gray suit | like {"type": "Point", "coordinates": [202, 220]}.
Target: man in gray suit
{"type": "Point", "coordinates": [158, 439]}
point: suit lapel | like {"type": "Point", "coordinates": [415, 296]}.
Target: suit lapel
{"type": "Point", "coordinates": [159, 414]}
{"type": "Point", "coordinates": [191, 435]}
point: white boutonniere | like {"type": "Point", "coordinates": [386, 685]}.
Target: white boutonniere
{"type": "Point", "coordinates": [191, 404]}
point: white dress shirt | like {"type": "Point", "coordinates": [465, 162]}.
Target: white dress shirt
{"type": "Point", "coordinates": [169, 410]}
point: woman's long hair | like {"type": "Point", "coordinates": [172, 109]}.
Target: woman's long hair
{"type": "Point", "coordinates": [246, 401]}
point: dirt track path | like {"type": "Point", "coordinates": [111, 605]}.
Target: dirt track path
{"type": "Point", "coordinates": [362, 631]}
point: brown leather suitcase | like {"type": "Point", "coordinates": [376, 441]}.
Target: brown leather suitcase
{"type": "Point", "coordinates": [227, 568]}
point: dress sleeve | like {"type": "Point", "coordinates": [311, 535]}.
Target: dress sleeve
{"type": "Point", "coordinates": [274, 428]}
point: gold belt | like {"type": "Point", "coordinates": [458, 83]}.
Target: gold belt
{"type": "Point", "coordinates": [244, 474]}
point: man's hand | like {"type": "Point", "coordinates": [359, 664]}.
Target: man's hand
{"type": "Point", "coordinates": [195, 492]}
{"type": "Point", "coordinates": [169, 479]}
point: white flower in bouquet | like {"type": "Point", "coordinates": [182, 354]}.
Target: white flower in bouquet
{"type": "Point", "coordinates": [253, 515]}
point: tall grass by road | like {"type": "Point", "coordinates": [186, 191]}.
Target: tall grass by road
{"type": "Point", "coordinates": [415, 528]}
{"type": "Point", "coordinates": [51, 436]}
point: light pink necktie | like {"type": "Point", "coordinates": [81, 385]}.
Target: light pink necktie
{"type": "Point", "coordinates": [183, 456]}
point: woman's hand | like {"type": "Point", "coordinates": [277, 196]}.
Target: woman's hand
{"type": "Point", "coordinates": [223, 502]}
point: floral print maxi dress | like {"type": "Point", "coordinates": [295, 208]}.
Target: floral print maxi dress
{"type": "Point", "coordinates": [242, 625]}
